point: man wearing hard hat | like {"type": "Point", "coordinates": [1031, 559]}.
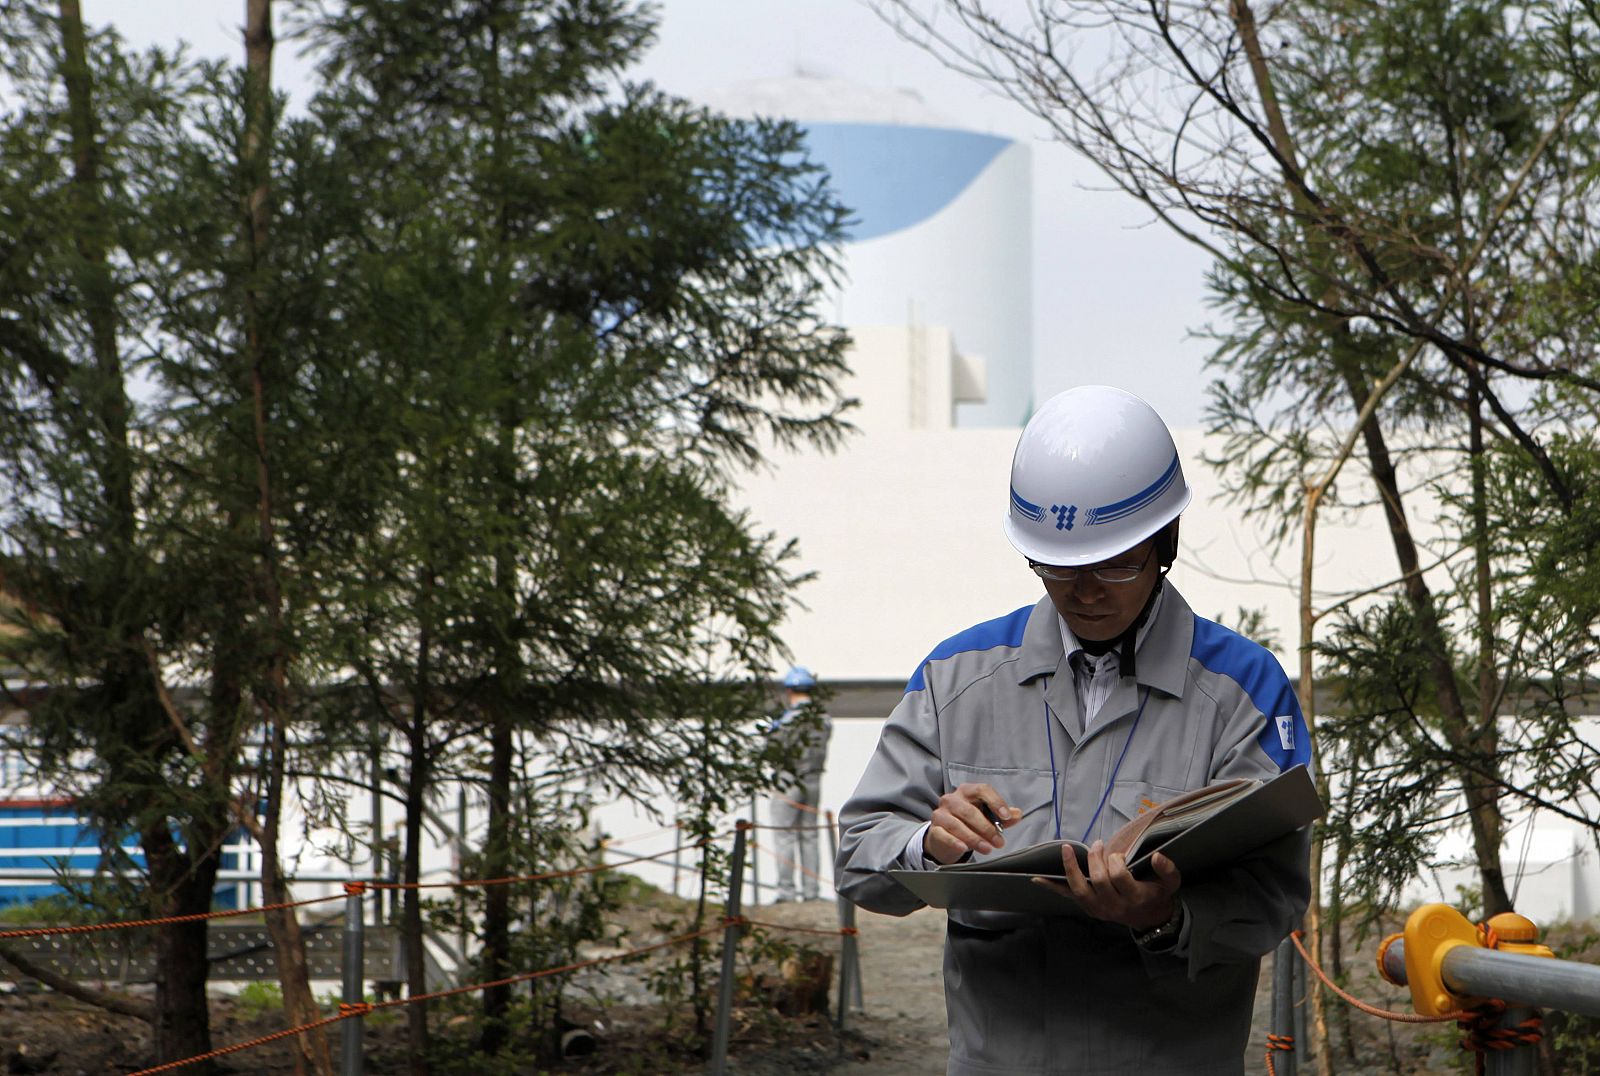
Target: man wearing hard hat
{"type": "Point", "coordinates": [803, 729]}
{"type": "Point", "coordinates": [1063, 720]}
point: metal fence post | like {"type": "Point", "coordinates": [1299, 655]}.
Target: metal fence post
{"type": "Point", "coordinates": [849, 947]}
{"type": "Point", "coordinates": [1302, 1000]}
{"type": "Point", "coordinates": [1521, 1060]}
{"type": "Point", "coordinates": [849, 961]}
{"type": "Point", "coordinates": [354, 978]}
{"type": "Point", "coordinates": [1282, 1009]}
{"type": "Point", "coordinates": [677, 853]}
{"type": "Point", "coordinates": [833, 847]}
{"type": "Point", "coordinates": [755, 866]}
{"type": "Point", "coordinates": [730, 945]}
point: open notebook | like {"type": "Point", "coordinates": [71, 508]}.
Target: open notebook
{"type": "Point", "coordinates": [1197, 830]}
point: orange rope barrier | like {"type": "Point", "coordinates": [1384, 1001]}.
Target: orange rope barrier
{"type": "Point", "coordinates": [348, 1010]}
{"type": "Point", "coordinates": [238, 1046]}
{"type": "Point", "coordinates": [1277, 1043]}
{"type": "Point", "coordinates": [349, 888]}
{"type": "Point", "coordinates": [36, 932]}
{"type": "Point", "coordinates": [612, 842]}
{"type": "Point", "coordinates": [786, 860]}
{"type": "Point", "coordinates": [356, 888]}
{"type": "Point", "coordinates": [527, 976]}
{"type": "Point", "coordinates": [1477, 1025]}
{"type": "Point", "coordinates": [547, 876]}
{"type": "Point", "coordinates": [1373, 1010]}
{"type": "Point", "coordinates": [1480, 1035]}
{"type": "Point", "coordinates": [797, 803]}
{"type": "Point", "coordinates": [835, 933]}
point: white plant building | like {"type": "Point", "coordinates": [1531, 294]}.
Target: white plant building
{"type": "Point", "coordinates": [902, 525]}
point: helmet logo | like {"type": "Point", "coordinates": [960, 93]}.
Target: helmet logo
{"type": "Point", "coordinates": [1065, 514]}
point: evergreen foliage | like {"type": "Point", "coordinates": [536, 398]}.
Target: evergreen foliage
{"type": "Point", "coordinates": [1447, 134]}
{"type": "Point", "coordinates": [443, 466]}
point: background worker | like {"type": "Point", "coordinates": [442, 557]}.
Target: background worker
{"type": "Point", "coordinates": [1061, 720]}
{"type": "Point", "coordinates": [803, 728]}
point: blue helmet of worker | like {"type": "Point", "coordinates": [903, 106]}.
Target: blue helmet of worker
{"type": "Point", "coordinates": [799, 678]}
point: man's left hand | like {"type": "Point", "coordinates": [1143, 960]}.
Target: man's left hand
{"type": "Point", "coordinates": [1109, 890]}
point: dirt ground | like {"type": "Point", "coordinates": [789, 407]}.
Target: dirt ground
{"type": "Point", "coordinates": [900, 1031]}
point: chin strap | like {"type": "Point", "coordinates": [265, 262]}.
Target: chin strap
{"type": "Point", "coordinates": [1129, 639]}
{"type": "Point", "coordinates": [1127, 642]}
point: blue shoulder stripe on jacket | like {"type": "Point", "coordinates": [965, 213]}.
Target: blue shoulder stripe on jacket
{"type": "Point", "coordinates": [1285, 739]}
{"type": "Point", "coordinates": [1001, 631]}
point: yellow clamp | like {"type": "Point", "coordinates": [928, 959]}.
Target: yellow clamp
{"type": "Point", "coordinates": [1431, 932]}
{"type": "Point", "coordinates": [1435, 929]}
{"type": "Point", "coordinates": [1513, 933]}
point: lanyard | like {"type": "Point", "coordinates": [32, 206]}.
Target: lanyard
{"type": "Point", "coordinates": [1055, 799]}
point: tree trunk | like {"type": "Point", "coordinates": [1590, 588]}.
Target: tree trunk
{"type": "Point", "coordinates": [411, 913]}
{"type": "Point", "coordinates": [180, 881]}
{"type": "Point", "coordinates": [282, 923]}
{"type": "Point", "coordinates": [1244, 20]}
{"type": "Point", "coordinates": [108, 401]}
{"type": "Point", "coordinates": [419, 773]}
{"type": "Point", "coordinates": [498, 847]}
{"type": "Point", "coordinates": [497, 898]}
{"type": "Point", "coordinates": [1478, 785]}
{"type": "Point", "coordinates": [1480, 792]}
{"type": "Point", "coordinates": [288, 944]}
{"type": "Point", "coordinates": [182, 884]}
{"type": "Point", "coordinates": [1341, 855]}
{"type": "Point", "coordinates": [1308, 708]}
{"type": "Point", "coordinates": [1486, 737]}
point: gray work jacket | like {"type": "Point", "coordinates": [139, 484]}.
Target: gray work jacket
{"type": "Point", "coordinates": [804, 730]}
{"type": "Point", "coordinates": [996, 703]}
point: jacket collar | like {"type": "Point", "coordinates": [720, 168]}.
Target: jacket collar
{"type": "Point", "coordinates": [1041, 643]}
{"type": "Point", "coordinates": [1163, 652]}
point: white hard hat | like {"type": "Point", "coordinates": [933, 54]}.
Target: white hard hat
{"type": "Point", "coordinates": [1095, 473]}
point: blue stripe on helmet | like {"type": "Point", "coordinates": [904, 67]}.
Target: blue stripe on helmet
{"type": "Point", "coordinates": [1142, 499]}
{"type": "Point", "coordinates": [1026, 508]}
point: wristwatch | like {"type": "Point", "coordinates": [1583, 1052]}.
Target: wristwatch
{"type": "Point", "coordinates": [1163, 936]}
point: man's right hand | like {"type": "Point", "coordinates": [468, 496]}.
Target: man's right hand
{"type": "Point", "coordinates": [959, 826]}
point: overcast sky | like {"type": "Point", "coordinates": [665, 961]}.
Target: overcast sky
{"type": "Point", "coordinates": [1115, 296]}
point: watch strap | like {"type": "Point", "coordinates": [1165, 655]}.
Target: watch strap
{"type": "Point", "coordinates": [1163, 935]}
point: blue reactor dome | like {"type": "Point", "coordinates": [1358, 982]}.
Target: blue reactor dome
{"type": "Point", "coordinates": [894, 177]}
{"type": "Point", "coordinates": [941, 223]}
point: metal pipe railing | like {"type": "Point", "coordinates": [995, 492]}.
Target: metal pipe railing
{"type": "Point", "coordinates": [1540, 981]}
{"type": "Point", "coordinates": [1452, 965]}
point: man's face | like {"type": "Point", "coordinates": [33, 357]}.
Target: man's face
{"type": "Point", "coordinates": [1096, 610]}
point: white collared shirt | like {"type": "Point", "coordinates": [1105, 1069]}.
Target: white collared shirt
{"type": "Point", "coordinates": [1096, 677]}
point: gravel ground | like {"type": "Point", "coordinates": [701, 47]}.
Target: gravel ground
{"type": "Point", "coordinates": [901, 1031]}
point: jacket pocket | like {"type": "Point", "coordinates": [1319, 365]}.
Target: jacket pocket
{"type": "Point", "coordinates": [1130, 799]}
{"type": "Point", "coordinates": [1030, 790]}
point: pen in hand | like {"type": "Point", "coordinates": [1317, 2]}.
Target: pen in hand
{"type": "Point", "coordinates": [993, 818]}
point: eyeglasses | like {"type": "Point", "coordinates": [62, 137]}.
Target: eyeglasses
{"type": "Point", "coordinates": [1108, 573]}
